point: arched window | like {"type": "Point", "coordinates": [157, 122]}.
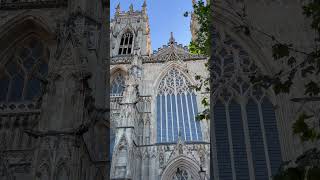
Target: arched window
{"type": "Point", "coordinates": [126, 43]}
{"type": "Point", "coordinates": [244, 117]}
{"type": "Point", "coordinates": [20, 77]}
{"type": "Point", "coordinates": [176, 109]}
{"type": "Point", "coordinates": [118, 84]}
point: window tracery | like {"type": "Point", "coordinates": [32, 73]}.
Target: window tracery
{"type": "Point", "coordinates": [118, 84]}
{"type": "Point", "coordinates": [21, 73]}
{"type": "Point", "coordinates": [126, 44]}
{"type": "Point", "coordinates": [176, 109]}
{"type": "Point", "coordinates": [240, 103]}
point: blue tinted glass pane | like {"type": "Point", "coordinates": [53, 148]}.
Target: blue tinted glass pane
{"type": "Point", "coordinates": [164, 125]}
{"type": "Point", "coordinates": [186, 118]}
{"type": "Point", "coordinates": [194, 98]}
{"type": "Point", "coordinates": [158, 120]}
{"type": "Point", "coordinates": [169, 118]}
{"type": "Point", "coordinates": [43, 68]}
{"type": "Point", "coordinates": [117, 85]}
{"type": "Point", "coordinates": [180, 114]}
{"type": "Point", "coordinates": [238, 141]}
{"type": "Point", "coordinates": [192, 118]}
{"type": "Point", "coordinates": [33, 89]}
{"type": "Point", "coordinates": [174, 117]}
{"type": "Point", "coordinates": [222, 142]}
{"type": "Point", "coordinates": [4, 85]}
{"type": "Point", "coordinates": [112, 141]}
{"type": "Point", "coordinates": [256, 140]}
{"type": "Point", "coordinates": [12, 68]}
{"type": "Point", "coordinates": [17, 84]}
{"type": "Point", "coordinates": [272, 135]}
{"type": "Point", "coordinates": [28, 63]}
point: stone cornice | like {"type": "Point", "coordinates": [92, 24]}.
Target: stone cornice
{"type": "Point", "coordinates": [33, 4]}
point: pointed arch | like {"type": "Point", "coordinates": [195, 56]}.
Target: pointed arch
{"type": "Point", "coordinates": [43, 173]}
{"type": "Point", "coordinates": [22, 68]}
{"type": "Point", "coordinates": [127, 28]}
{"type": "Point", "coordinates": [62, 172]}
{"type": "Point", "coordinates": [184, 163]}
{"type": "Point", "coordinates": [238, 55]}
{"type": "Point", "coordinates": [171, 65]}
{"type": "Point", "coordinates": [176, 106]}
{"type": "Point", "coordinates": [117, 81]}
{"type": "Point", "coordinates": [24, 57]}
{"type": "Point", "coordinates": [116, 69]}
{"type": "Point", "coordinates": [119, 159]}
{"type": "Point", "coordinates": [21, 26]}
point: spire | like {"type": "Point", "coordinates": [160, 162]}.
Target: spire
{"type": "Point", "coordinates": [131, 7]}
{"type": "Point", "coordinates": [144, 7]}
{"type": "Point", "coordinates": [171, 40]}
{"type": "Point", "coordinates": [118, 8]}
{"type": "Point", "coordinates": [144, 4]}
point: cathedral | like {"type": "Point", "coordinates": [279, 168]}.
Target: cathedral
{"type": "Point", "coordinates": [155, 133]}
{"type": "Point", "coordinates": [84, 97]}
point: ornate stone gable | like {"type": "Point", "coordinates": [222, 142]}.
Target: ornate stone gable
{"type": "Point", "coordinates": [172, 52]}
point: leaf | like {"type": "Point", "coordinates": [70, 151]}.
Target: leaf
{"type": "Point", "coordinates": [314, 174]}
{"type": "Point", "coordinates": [312, 89]}
{"type": "Point", "coordinates": [307, 70]}
{"type": "Point", "coordinates": [204, 102]}
{"type": "Point", "coordinates": [291, 61]}
{"type": "Point", "coordinates": [197, 77]}
{"type": "Point", "coordinates": [290, 174]}
{"type": "Point", "coordinates": [300, 126]}
{"type": "Point", "coordinates": [280, 87]}
{"type": "Point", "coordinates": [280, 51]}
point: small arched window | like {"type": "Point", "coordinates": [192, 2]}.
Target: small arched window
{"type": "Point", "coordinates": [126, 43]}
{"type": "Point", "coordinates": [117, 85]}
{"type": "Point", "coordinates": [21, 73]}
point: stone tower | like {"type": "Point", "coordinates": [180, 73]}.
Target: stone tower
{"type": "Point", "coordinates": [57, 116]}
{"type": "Point", "coordinates": [131, 31]}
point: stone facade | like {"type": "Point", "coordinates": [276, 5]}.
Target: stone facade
{"type": "Point", "coordinates": [137, 154]}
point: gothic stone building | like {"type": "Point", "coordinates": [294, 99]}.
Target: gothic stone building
{"type": "Point", "coordinates": [153, 105]}
{"type": "Point", "coordinates": [53, 94]}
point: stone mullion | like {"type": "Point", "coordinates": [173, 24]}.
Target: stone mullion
{"type": "Point", "coordinates": [264, 140]}
{"type": "Point", "coordinates": [230, 141]}
{"type": "Point", "coordinates": [243, 102]}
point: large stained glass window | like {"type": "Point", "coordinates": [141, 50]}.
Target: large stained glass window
{"type": "Point", "coordinates": [22, 71]}
{"type": "Point", "coordinates": [245, 124]}
{"type": "Point", "coordinates": [176, 109]}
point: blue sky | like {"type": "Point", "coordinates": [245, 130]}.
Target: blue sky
{"type": "Point", "coordinates": [165, 16]}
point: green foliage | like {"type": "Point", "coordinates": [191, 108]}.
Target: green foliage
{"type": "Point", "coordinates": [307, 64]}
{"type": "Point", "coordinates": [202, 44]}
{"type": "Point", "coordinates": [314, 173]}
{"type": "Point", "coordinates": [301, 128]}
{"type": "Point", "coordinates": [290, 174]}
{"type": "Point", "coordinates": [280, 50]}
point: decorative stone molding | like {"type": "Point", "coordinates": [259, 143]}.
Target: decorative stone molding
{"type": "Point", "coordinates": [32, 4]}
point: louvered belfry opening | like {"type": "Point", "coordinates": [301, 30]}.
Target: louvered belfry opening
{"type": "Point", "coordinates": [126, 44]}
